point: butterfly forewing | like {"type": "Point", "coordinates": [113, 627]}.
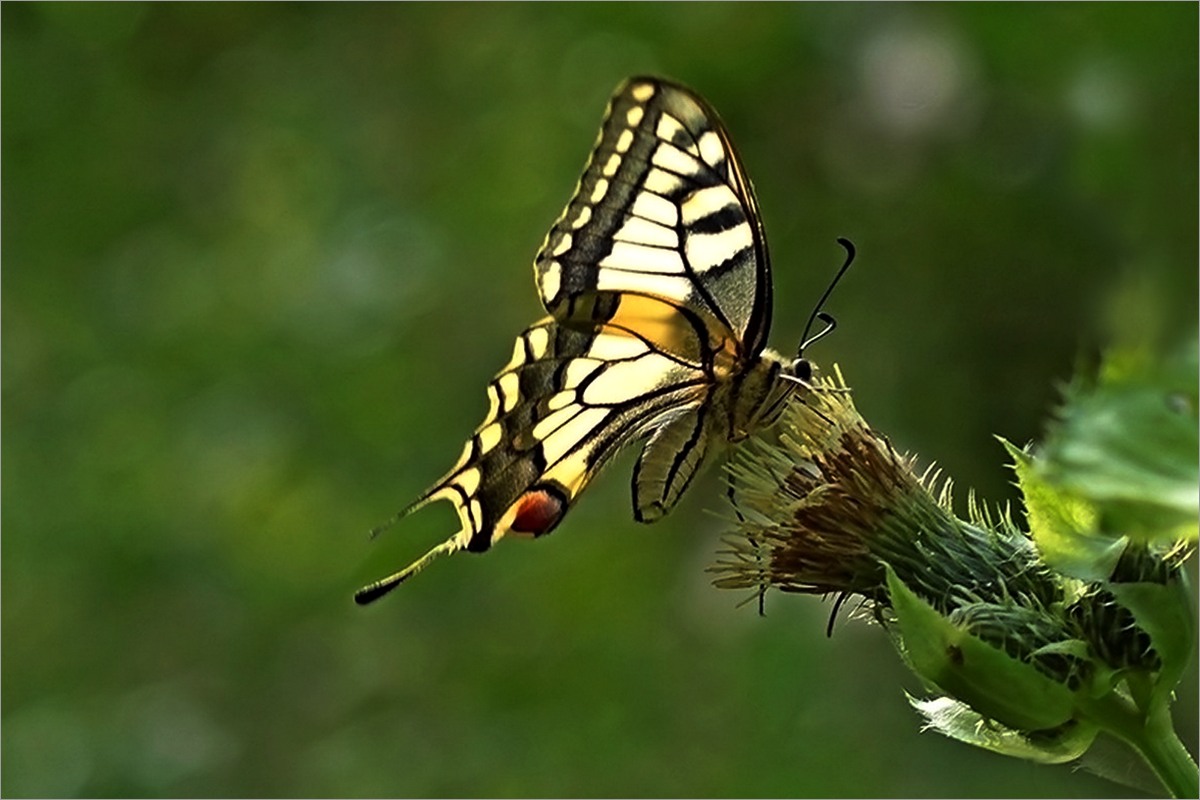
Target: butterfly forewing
{"type": "Point", "coordinates": [663, 208]}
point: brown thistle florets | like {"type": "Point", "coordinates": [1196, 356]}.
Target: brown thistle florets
{"type": "Point", "coordinates": [827, 502]}
{"type": "Point", "coordinates": [825, 505]}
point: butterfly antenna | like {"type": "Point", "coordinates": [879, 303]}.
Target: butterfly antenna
{"type": "Point", "coordinates": [731, 493]}
{"type": "Point", "coordinates": [817, 313]}
{"type": "Point", "coordinates": [376, 590]}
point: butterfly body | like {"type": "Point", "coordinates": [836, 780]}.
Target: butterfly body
{"type": "Point", "coordinates": [657, 285]}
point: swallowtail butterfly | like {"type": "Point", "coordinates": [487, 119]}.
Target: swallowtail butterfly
{"type": "Point", "coordinates": [658, 288]}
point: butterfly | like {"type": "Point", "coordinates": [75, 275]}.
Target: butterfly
{"type": "Point", "coordinates": [657, 287]}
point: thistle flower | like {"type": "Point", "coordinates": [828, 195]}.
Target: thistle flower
{"type": "Point", "coordinates": [1028, 659]}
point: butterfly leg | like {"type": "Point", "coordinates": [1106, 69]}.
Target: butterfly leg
{"type": "Point", "coordinates": [731, 493]}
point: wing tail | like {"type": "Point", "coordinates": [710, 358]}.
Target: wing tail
{"type": "Point", "coordinates": [372, 592]}
{"type": "Point", "coordinates": [420, 502]}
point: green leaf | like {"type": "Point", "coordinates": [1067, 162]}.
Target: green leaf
{"type": "Point", "coordinates": [1064, 525]}
{"type": "Point", "coordinates": [974, 672]}
{"type": "Point", "coordinates": [1166, 613]}
{"type": "Point", "coordinates": [959, 721]}
{"type": "Point", "coordinates": [1128, 446]}
{"type": "Point", "coordinates": [1113, 759]}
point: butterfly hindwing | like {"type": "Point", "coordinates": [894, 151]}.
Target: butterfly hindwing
{"type": "Point", "coordinates": [671, 458]}
{"type": "Point", "coordinates": [567, 401]}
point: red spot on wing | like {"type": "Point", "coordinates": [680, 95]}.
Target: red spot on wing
{"type": "Point", "coordinates": [538, 511]}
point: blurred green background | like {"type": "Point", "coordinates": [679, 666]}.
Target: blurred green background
{"type": "Point", "coordinates": [260, 260]}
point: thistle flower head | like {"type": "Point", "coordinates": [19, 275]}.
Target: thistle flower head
{"type": "Point", "coordinates": [1032, 661]}
{"type": "Point", "coordinates": [827, 503]}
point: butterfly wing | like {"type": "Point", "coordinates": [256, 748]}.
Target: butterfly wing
{"type": "Point", "coordinates": [567, 401]}
{"type": "Point", "coordinates": [663, 208]}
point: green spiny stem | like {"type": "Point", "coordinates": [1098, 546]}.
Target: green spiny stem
{"type": "Point", "coordinates": [1152, 736]}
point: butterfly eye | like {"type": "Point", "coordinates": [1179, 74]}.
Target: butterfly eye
{"type": "Point", "coordinates": [802, 369]}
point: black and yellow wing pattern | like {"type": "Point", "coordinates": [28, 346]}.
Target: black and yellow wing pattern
{"type": "Point", "coordinates": [658, 288]}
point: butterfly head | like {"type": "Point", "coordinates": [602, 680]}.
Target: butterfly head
{"type": "Point", "coordinates": [801, 370]}
{"type": "Point", "coordinates": [764, 390]}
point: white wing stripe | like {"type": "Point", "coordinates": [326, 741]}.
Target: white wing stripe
{"type": "Point", "coordinates": [509, 386]}
{"type": "Point", "coordinates": [708, 250]}
{"type": "Point", "coordinates": [489, 437]}
{"type": "Point", "coordinates": [662, 183]}
{"type": "Point", "coordinates": [627, 379]}
{"type": "Point", "coordinates": [551, 281]}
{"type": "Point", "coordinates": [675, 160]}
{"type": "Point", "coordinates": [656, 209]}
{"type": "Point", "coordinates": [572, 433]}
{"type": "Point", "coordinates": [539, 341]}
{"type": "Point", "coordinates": [578, 369]}
{"type": "Point", "coordinates": [670, 129]}
{"type": "Point", "coordinates": [643, 231]}
{"type": "Point", "coordinates": [711, 149]}
{"type": "Point", "coordinates": [708, 201]}
{"type": "Point", "coordinates": [639, 258]}
{"type": "Point", "coordinates": [673, 287]}
{"type": "Point", "coordinates": [548, 425]}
